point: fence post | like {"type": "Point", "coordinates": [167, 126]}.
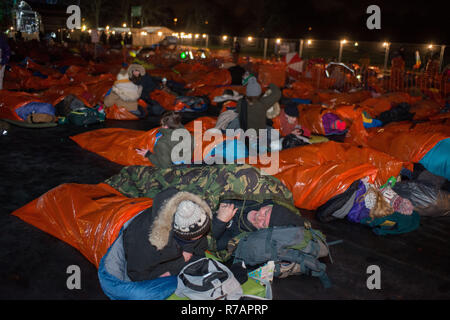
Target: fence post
{"type": "Point", "coordinates": [300, 48]}
{"type": "Point", "coordinates": [386, 55]}
{"type": "Point", "coordinates": [265, 47]}
{"type": "Point", "coordinates": [341, 45]}
{"type": "Point", "coordinates": [441, 58]}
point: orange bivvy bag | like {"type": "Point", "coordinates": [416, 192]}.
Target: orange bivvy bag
{"type": "Point", "coordinates": [88, 217]}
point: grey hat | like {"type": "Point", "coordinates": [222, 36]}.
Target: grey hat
{"type": "Point", "coordinates": [253, 88]}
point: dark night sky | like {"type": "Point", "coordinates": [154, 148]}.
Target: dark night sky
{"type": "Point", "coordinates": [401, 20]}
{"type": "Point", "coordinates": [413, 21]}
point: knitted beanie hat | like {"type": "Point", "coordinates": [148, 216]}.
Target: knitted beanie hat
{"type": "Point", "coordinates": [291, 110]}
{"type": "Point", "coordinates": [190, 220]}
{"type": "Point", "coordinates": [253, 88]}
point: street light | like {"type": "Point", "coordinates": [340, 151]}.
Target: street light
{"type": "Point", "coordinates": [278, 41]}
{"type": "Point", "coordinates": [124, 25]}
{"type": "Point", "coordinates": [356, 44]}
{"type": "Point", "coordinates": [224, 38]}
{"type": "Point", "coordinates": [386, 55]}
{"type": "Point", "coordinates": [249, 39]}
{"type": "Point", "coordinates": [341, 46]}
{"type": "Point", "coordinates": [309, 42]}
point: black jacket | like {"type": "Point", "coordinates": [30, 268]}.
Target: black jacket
{"type": "Point", "coordinates": [224, 232]}
{"type": "Point", "coordinates": [150, 252]}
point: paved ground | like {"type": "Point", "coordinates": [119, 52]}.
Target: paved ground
{"type": "Point", "coordinates": [33, 263]}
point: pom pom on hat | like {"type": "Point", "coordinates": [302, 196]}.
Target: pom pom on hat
{"type": "Point", "coordinates": [190, 220]}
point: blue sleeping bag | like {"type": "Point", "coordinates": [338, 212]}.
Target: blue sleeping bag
{"type": "Point", "coordinates": [437, 160]}
{"type": "Point", "coordinates": [35, 107]}
{"type": "Point", "coordinates": [229, 151]}
{"type": "Point", "coordinates": [116, 284]}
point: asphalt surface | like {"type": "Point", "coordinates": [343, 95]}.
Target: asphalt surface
{"type": "Point", "coordinates": [34, 264]}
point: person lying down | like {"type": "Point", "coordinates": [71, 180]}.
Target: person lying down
{"type": "Point", "coordinates": [172, 233]}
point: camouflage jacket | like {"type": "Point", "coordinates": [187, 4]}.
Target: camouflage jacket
{"type": "Point", "coordinates": [213, 183]}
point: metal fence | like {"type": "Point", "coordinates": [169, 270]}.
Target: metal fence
{"type": "Point", "coordinates": [376, 54]}
{"type": "Point", "coordinates": [346, 51]}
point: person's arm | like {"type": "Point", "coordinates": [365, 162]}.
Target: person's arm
{"type": "Point", "coordinates": [220, 221]}
{"type": "Point", "coordinates": [218, 228]}
{"type": "Point", "coordinates": [6, 52]}
{"type": "Point", "coordinates": [272, 97]}
{"type": "Point", "coordinates": [161, 155]}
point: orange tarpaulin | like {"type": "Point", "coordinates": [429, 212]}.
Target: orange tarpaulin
{"type": "Point", "coordinates": [214, 91]}
{"type": "Point", "coordinates": [119, 145]}
{"type": "Point", "coordinates": [316, 173]}
{"type": "Point", "coordinates": [119, 113]}
{"type": "Point", "coordinates": [299, 89]}
{"type": "Point", "coordinates": [336, 99]}
{"type": "Point", "coordinates": [314, 186]}
{"type": "Point", "coordinates": [165, 99]}
{"type": "Point", "coordinates": [321, 153]}
{"type": "Point", "coordinates": [11, 100]}
{"type": "Point", "coordinates": [375, 106]}
{"type": "Point", "coordinates": [88, 217]}
{"type": "Point", "coordinates": [310, 116]}
{"type": "Point", "coordinates": [407, 141]}
{"type": "Point", "coordinates": [272, 73]}
{"type": "Point", "coordinates": [425, 109]}
{"type": "Point", "coordinates": [90, 94]}
{"type": "Point", "coordinates": [220, 77]}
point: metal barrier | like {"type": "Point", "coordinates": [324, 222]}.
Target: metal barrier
{"type": "Point", "coordinates": [382, 73]}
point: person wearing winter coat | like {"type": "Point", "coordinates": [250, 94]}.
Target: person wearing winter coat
{"type": "Point", "coordinates": [139, 76]}
{"type": "Point", "coordinates": [124, 92]}
{"type": "Point", "coordinates": [162, 151]}
{"type": "Point", "coordinates": [252, 109]}
{"type": "Point", "coordinates": [287, 122]}
{"type": "Point", "coordinates": [5, 53]}
{"type": "Point", "coordinates": [161, 240]}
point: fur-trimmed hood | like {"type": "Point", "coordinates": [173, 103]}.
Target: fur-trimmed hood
{"type": "Point", "coordinates": [164, 211]}
{"type": "Point", "coordinates": [137, 67]}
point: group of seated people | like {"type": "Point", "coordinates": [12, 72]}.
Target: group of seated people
{"type": "Point", "coordinates": [133, 88]}
{"type": "Point", "coordinates": [255, 110]}
{"type": "Point", "coordinates": [163, 239]}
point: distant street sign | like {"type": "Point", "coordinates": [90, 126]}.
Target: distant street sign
{"type": "Point", "coordinates": [136, 11]}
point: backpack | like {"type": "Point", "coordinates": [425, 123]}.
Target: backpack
{"type": "Point", "coordinates": [292, 141]}
{"type": "Point", "coordinates": [67, 105]}
{"type": "Point", "coordinates": [85, 116]}
{"type": "Point", "coordinates": [284, 244]}
{"type": "Point", "coordinates": [243, 116]}
{"type": "Point", "coordinates": [208, 279]}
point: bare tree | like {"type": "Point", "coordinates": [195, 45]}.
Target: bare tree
{"type": "Point", "coordinates": [91, 9]}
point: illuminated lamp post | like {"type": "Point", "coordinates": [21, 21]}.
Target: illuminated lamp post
{"type": "Point", "coordinates": [341, 47]}
{"type": "Point", "coordinates": [386, 45]}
